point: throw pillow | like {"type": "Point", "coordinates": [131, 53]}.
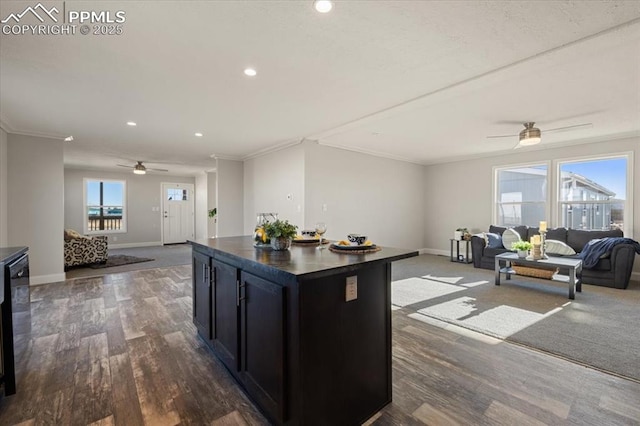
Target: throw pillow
{"type": "Point", "coordinates": [70, 234]}
{"type": "Point", "coordinates": [510, 236]}
{"type": "Point", "coordinates": [493, 240]}
{"type": "Point", "coordinates": [558, 248]}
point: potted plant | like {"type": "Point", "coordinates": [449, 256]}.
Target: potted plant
{"type": "Point", "coordinates": [213, 212]}
{"type": "Point", "coordinates": [522, 247]}
{"type": "Point", "coordinates": [280, 233]}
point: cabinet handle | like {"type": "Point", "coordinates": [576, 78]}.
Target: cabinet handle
{"type": "Point", "coordinates": [238, 292]}
{"type": "Point", "coordinates": [205, 274]}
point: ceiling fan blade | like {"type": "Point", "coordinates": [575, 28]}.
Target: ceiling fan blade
{"type": "Point", "coordinates": [567, 128]}
{"type": "Point", "coordinates": [501, 136]}
{"type": "Point", "coordinates": [157, 170]}
{"type": "Point", "coordinates": [122, 165]}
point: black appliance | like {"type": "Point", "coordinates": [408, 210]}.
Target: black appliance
{"type": "Point", "coordinates": [15, 317]}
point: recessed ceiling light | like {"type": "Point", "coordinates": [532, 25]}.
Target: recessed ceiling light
{"type": "Point", "coordinates": [198, 134]}
{"type": "Point", "coordinates": [323, 6]}
{"type": "Point", "coordinates": [132, 123]}
{"type": "Point", "coordinates": [250, 72]}
{"type": "Point", "coordinates": [68, 139]}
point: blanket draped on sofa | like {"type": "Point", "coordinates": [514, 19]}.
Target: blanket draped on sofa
{"type": "Point", "coordinates": [595, 249]}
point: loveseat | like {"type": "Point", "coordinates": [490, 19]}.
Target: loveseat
{"type": "Point", "coordinates": [83, 250]}
{"type": "Point", "coordinates": [612, 270]}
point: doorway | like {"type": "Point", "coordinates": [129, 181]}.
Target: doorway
{"type": "Point", "coordinates": [177, 212]}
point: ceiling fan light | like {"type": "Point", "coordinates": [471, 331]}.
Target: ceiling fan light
{"type": "Point", "coordinates": [530, 136]}
{"type": "Point", "coordinates": [139, 169]}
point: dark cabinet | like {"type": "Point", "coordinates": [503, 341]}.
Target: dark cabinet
{"type": "Point", "coordinates": [306, 333]}
{"type": "Point", "coordinates": [202, 294]}
{"type": "Point", "coordinates": [262, 332]}
{"type": "Point", "coordinates": [241, 317]}
{"type": "Point", "coordinates": [225, 313]}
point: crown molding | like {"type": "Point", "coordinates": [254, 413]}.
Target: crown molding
{"type": "Point", "coordinates": [373, 153]}
{"type": "Point", "coordinates": [271, 149]}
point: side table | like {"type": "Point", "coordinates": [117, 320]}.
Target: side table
{"type": "Point", "coordinates": [458, 257]}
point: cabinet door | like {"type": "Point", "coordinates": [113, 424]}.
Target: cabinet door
{"type": "Point", "coordinates": [226, 312]}
{"type": "Point", "coordinates": [202, 294]}
{"type": "Point", "coordinates": [262, 339]}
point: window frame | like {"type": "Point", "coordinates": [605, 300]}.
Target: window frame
{"type": "Point", "coordinates": [123, 227]}
{"type": "Point", "coordinates": [496, 169]}
{"type": "Point", "coordinates": [628, 205]}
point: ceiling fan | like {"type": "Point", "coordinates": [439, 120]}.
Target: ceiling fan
{"type": "Point", "coordinates": [141, 169]}
{"type": "Point", "coordinates": [531, 135]}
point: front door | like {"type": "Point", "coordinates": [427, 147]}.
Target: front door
{"type": "Point", "coordinates": [177, 212]}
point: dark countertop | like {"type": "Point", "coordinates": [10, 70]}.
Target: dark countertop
{"type": "Point", "coordinates": [9, 254]}
{"type": "Point", "coordinates": [300, 261]}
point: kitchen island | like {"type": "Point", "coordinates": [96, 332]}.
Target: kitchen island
{"type": "Point", "coordinates": [305, 332]}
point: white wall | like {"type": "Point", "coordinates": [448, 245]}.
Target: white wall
{"type": "Point", "coordinates": [364, 194]}
{"type": "Point", "coordinates": [144, 225]}
{"type": "Point", "coordinates": [230, 198]}
{"type": "Point", "coordinates": [4, 236]}
{"type": "Point", "coordinates": [459, 194]}
{"type": "Point", "coordinates": [274, 183]}
{"type": "Point", "coordinates": [201, 219]}
{"type": "Point", "coordinates": [36, 203]}
{"type": "Point", "coordinates": [381, 198]}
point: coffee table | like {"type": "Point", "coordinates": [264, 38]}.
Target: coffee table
{"type": "Point", "coordinates": [574, 266]}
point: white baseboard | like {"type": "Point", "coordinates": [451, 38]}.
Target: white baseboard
{"type": "Point", "coordinates": [132, 245]}
{"type": "Point", "coordinates": [434, 251]}
{"type": "Point", "coordinates": [45, 279]}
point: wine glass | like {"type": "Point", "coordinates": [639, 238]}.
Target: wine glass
{"type": "Point", "coordinates": [321, 228]}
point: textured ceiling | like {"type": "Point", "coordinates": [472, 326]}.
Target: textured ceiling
{"type": "Point", "coordinates": [420, 81]}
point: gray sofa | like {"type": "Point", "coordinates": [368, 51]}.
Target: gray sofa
{"type": "Point", "coordinates": [613, 270]}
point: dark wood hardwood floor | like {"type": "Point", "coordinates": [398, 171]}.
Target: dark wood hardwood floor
{"type": "Point", "coordinates": [122, 350]}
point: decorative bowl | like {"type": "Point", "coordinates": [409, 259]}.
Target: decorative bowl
{"type": "Point", "coordinates": [356, 239]}
{"type": "Point", "coordinates": [308, 234]}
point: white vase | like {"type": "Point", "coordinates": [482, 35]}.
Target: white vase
{"type": "Point", "coordinates": [457, 235]}
{"type": "Point", "coordinates": [522, 253]}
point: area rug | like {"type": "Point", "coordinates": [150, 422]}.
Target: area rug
{"type": "Point", "coordinates": [119, 260]}
{"type": "Point", "coordinates": [598, 328]}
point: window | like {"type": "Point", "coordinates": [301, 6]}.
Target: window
{"type": "Point", "coordinates": [174, 194]}
{"type": "Point", "coordinates": [104, 202]}
{"type": "Point", "coordinates": [589, 193]}
{"type": "Point", "coordinates": [592, 193]}
{"type": "Point", "coordinates": [521, 195]}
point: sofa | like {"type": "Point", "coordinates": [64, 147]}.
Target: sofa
{"type": "Point", "coordinates": [83, 250]}
{"type": "Point", "coordinates": [612, 269]}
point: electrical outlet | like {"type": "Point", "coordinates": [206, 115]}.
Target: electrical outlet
{"type": "Point", "coordinates": [351, 292]}
{"type": "Point", "coordinates": [324, 207]}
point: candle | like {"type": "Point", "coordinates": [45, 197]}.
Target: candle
{"type": "Point", "coordinates": [543, 226]}
{"type": "Point", "coordinates": [535, 240]}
